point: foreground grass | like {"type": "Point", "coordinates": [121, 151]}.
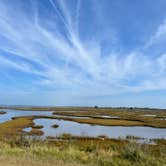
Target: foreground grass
{"type": "Point", "coordinates": [88, 152]}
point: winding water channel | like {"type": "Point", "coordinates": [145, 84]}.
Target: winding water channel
{"type": "Point", "coordinates": [78, 129]}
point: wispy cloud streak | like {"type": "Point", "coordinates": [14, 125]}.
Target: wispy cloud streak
{"type": "Point", "coordinates": [51, 47]}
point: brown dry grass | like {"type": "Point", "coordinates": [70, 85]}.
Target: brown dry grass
{"type": "Point", "coordinates": [15, 126]}
{"type": "Point", "coordinates": [79, 152]}
{"type": "Point", "coordinates": [125, 117]}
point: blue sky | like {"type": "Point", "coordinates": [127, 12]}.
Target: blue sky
{"type": "Point", "coordinates": [83, 52]}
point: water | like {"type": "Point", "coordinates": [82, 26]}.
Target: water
{"type": "Point", "coordinates": [14, 113]}
{"type": "Point", "coordinates": [78, 129]}
{"type": "Point", "coordinates": [109, 117]}
{"type": "Point", "coordinates": [69, 116]}
{"type": "Point", "coordinates": [27, 129]}
{"type": "Point", "coordinates": [161, 118]}
{"type": "Point", "coordinates": [150, 115]}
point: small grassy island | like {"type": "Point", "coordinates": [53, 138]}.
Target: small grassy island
{"type": "Point", "coordinates": [2, 112]}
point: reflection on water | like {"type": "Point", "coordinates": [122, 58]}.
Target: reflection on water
{"type": "Point", "coordinates": [69, 116]}
{"type": "Point", "coordinates": [109, 116]}
{"type": "Point", "coordinates": [163, 118]}
{"type": "Point", "coordinates": [78, 129]}
{"type": "Point", "coordinates": [150, 115]}
{"type": "Point", "coordinates": [27, 129]}
{"type": "Point", "coordinates": [13, 113]}
{"type": "Point", "coordinates": [83, 129]}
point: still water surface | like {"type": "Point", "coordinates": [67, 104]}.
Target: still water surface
{"type": "Point", "coordinates": [78, 129]}
{"type": "Point", "coordinates": [14, 113]}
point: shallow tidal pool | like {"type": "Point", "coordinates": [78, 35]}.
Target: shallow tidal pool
{"type": "Point", "coordinates": [79, 129]}
{"type": "Point", "coordinates": [14, 113]}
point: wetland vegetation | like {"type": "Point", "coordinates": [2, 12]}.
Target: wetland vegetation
{"type": "Point", "coordinates": [2, 112]}
{"type": "Point", "coordinates": [78, 152]}
{"type": "Point", "coordinates": [22, 141]}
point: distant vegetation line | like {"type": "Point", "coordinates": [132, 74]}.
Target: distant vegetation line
{"type": "Point", "coordinates": [53, 108]}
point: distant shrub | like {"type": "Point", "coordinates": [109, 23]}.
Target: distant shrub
{"type": "Point", "coordinates": [66, 136]}
{"type": "Point", "coordinates": [55, 126]}
{"type": "Point", "coordinates": [37, 127]}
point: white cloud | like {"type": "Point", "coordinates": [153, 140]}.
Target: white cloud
{"type": "Point", "coordinates": [158, 36]}
{"type": "Point", "coordinates": [64, 59]}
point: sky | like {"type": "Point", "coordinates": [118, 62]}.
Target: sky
{"type": "Point", "coordinates": [83, 52]}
